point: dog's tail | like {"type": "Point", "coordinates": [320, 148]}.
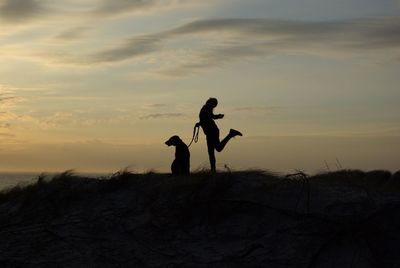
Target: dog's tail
{"type": "Point", "coordinates": [195, 136]}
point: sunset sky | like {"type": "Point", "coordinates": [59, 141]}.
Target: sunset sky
{"type": "Point", "coordinates": [99, 85]}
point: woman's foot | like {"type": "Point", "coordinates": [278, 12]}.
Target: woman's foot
{"type": "Point", "coordinates": [234, 133]}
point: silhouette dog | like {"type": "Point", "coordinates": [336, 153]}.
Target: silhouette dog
{"type": "Point", "coordinates": [181, 163]}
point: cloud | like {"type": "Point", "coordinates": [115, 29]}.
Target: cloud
{"type": "Point", "coordinates": [358, 33]}
{"type": "Point", "coordinates": [257, 108]}
{"type": "Point", "coordinates": [5, 125]}
{"type": "Point", "coordinates": [25, 11]}
{"type": "Point", "coordinates": [216, 57]}
{"type": "Point", "coordinates": [113, 8]}
{"type": "Point", "coordinates": [6, 98]}
{"type": "Point", "coordinates": [15, 11]}
{"type": "Point", "coordinates": [253, 38]}
{"type": "Point", "coordinates": [6, 101]}
{"type": "Point", "coordinates": [129, 49]}
{"type": "Point", "coordinates": [162, 115]}
{"type": "Point", "coordinates": [72, 33]}
{"type": "Point", "coordinates": [156, 105]}
{"type": "Point", "coordinates": [222, 41]}
{"type": "Point", "coordinates": [8, 135]}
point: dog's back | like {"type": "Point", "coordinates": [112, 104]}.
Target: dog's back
{"type": "Point", "coordinates": [182, 155]}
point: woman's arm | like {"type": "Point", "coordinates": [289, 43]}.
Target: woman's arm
{"type": "Point", "coordinates": [217, 116]}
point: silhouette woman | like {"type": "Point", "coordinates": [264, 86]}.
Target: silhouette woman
{"type": "Point", "coordinates": [211, 130]}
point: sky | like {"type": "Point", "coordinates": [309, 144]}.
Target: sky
{"type": "Point", "coordinates": [100, 85]}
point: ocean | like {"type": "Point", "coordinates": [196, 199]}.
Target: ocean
{"type": "Point", "coordinates": [11, 179]}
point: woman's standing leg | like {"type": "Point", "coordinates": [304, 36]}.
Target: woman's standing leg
{"type": "Point", "coordinates": [211, 153]}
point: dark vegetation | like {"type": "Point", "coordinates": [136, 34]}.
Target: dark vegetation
{"type": "Point", "coordinates": [347, 218]}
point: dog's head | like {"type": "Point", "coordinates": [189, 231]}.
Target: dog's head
{"type": "Point", "coordinates": [174, 141]}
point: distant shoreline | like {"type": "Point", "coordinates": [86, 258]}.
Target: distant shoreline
{"type": "Point", "coordinates": [10, 179]}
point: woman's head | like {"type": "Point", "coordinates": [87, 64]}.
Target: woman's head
{"type": "Point", "coordinates": [212, 102]}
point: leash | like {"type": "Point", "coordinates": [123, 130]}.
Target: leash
{"type": "Point", "coordinates": [195, 137]}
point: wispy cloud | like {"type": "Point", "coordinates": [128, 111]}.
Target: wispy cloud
{"type": "Point", "coordinates": [114, 8]}
{"type": "Point", "coordinates": [252, 38]}
{"type": "Point", "coordinates": [4, 98]}
{"type": "Point", "coordinates": [15, 11]}
{"type": "Point", "coordinates": [5, 125]}
{"type": "Point", "coordinates": [228, 40]}
{"type": "Point", "coordinates": [24, 11]}
{"type": "Point", "coordinates": [156, 105]}
{"type": "Point", "coordinates": [9, 101]}
{"type": "Point", "coordinates": [257, 108]}
{"type": "Point", "coordinates": [129, 49]}
{"type": "Point", "coordinates": [7, 98]}
{"type": "Point", "coordinates": [162, 115]}
{"type": "Point", "coordinates": [72, 33]}
{"type": "Point", "coordinates": [111, 7]}
{"type": "Point", "coordinates": [8, 135]}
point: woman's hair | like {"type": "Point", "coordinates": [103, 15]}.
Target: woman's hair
{"type": "Point", "coordinates": [213, 102]}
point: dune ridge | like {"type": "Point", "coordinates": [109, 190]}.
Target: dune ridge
{"type": "Point", "coordinates": [347, 218]}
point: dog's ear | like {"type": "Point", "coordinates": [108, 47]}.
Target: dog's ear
{"type": "Point", "coordinates": [177, 139]}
